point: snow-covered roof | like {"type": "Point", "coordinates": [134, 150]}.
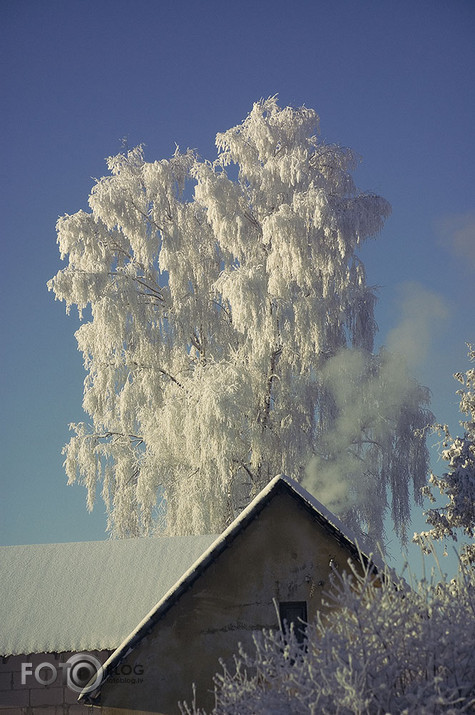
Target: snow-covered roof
{"type": "Point", "coordinates": [280, 483]}
{"type": "Point", "coordinates": [89, 595]}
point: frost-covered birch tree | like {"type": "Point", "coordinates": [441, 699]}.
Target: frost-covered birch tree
{"type": "Point", "coordinates": [228, 334]}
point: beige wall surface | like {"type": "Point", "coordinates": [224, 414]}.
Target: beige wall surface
{"type": "Point", "coordinates": [282, 555]}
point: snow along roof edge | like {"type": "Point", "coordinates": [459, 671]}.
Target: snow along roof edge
{"type": "Point", "coordinates": [326, 519]}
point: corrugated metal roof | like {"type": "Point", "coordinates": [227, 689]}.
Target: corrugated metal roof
{"type": "Point", "coordinates": [88, 595]}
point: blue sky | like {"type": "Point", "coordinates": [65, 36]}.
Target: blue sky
{"type": "Point", "coordinates": [393, 80]}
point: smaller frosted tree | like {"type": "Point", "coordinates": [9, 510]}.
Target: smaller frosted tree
{"type": "Point", "coordinates": [458, 483]}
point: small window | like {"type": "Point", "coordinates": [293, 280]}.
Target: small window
{"type": "Point", "coordinates": [294, 612]}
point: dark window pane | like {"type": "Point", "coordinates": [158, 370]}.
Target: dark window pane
{"type": "Point", "coordinates": [294, 612]}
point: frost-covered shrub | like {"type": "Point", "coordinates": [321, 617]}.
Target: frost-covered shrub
{"type": "Point", "coordinates": [382, 648]}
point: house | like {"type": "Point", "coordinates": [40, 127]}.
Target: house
{"type": "Point", "coordinates": [272, 564]}
{"type": "Point", "coordinates": [137, 621]}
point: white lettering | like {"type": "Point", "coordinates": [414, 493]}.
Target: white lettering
{"type": "Point", "coordinates": [26, 669]}
{"type": "Point", "coordinates": [45, 666]}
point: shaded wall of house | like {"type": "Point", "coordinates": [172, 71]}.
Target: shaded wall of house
{"type": "Point", "coordinates": [22, 692]}
{"type": "Point", "coordinates": [283, 555]}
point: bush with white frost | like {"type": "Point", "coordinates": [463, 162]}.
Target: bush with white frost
{"type": "Point", "coordinates": [382, 648]}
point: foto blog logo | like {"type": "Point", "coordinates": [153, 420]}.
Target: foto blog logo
{"type": "Point", "coordinates": [81, 673]}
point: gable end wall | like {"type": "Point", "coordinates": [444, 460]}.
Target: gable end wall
{"type": "Point", "coordinates": [282, 555]}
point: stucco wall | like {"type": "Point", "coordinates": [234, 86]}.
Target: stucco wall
{"type": "Point", "coordinates": [282, 555]}
{"type": "Point", "coordinates": [32, 697]}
